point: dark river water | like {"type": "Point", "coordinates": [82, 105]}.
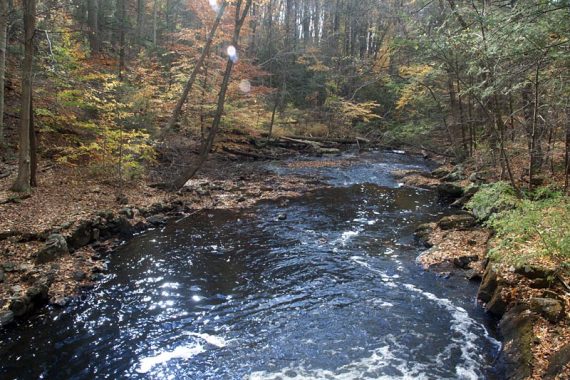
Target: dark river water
{"type": "Point", "coordinates": [332, 292]}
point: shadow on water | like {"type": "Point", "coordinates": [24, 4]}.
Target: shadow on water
{"type": "Point", "coordinates": [332, 292]}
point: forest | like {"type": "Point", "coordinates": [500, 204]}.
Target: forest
{"type": "Point", "coordinates": [128, 111]}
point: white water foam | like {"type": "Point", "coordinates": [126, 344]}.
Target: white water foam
{"type": "Point", "coordinates": [365, 368]}
{"type": "Point", "coordinates": [462, 325]}
{"type": "Point", "coordinates": [183, 352]}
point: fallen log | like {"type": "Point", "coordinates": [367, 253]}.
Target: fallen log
{"type": "Point", "coordinates": [353, 140]}
{"type": "Point", "coordinates": [247, 154]}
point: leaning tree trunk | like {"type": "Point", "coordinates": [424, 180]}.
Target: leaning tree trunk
{"type": "Point", "coordinates": [22, 183]}
{"type": "Point", "coordinates": [197, 68]}
{"type": "Point", "coordinates": [207, 145]}
{"type": "Point", "coordinates": [3, 32]}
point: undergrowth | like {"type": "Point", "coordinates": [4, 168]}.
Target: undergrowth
{"type": "Point", "coordinates": [531, 230]}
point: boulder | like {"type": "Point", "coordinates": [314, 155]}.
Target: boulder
{"type": "Point", "coordinates": [20, 306]}
{"type": "Point", "coordinates": [551, 309]}
{"type": "Point", "coordinates": [6, 317]}
{"type": "Point", "coordinates": [123, 227]}
{"type": "Point", "coordinates": [456, 175]}
{"type": "Point", "coordinates": [440, 172]}
{"type": "Point", "coordinates": [535, 272]}
{"type": "Point", "coordinates": [459, 221]}
{"type": "Point", "coordinates": [282, 216]}
{"type": "Point", "coordinates": [497, 305]}
{"type": "Point", "coordinates": [55, 247]}
{"type": "Point", "coordinates": [422, 234]}
{"type": "Point", "coordinates": [128, 212]}
{"type": "Point", "coordinates": [449, 192]}
{"type": "Point", "coordinates": [516, 358]}
{"type": "Point", "coordinates": [464, 262]}
{"type": "Point", "coordinates": [81, 236]}
{"type": "Point", "coordinates": [472, 275]}
{"type": "Point", "coordinates": [557, 363]}
{"type": "Point", "coordinates": [157, 220]}
{"type": "Point", "coordinates": [467, 195]}
{"type": "Point", "coordinates": [488, 285]}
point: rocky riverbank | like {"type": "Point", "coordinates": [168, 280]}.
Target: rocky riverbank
{"type": "Point", "coordinates": [53, 244]}
{"type": "Point", "coordinates": [531, 302]}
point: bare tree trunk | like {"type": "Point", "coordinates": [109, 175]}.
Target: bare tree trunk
{"type": "Point", "coordinates": [154, 22]}
{"type": "Point", "coordinates": [33, 147]}
{"type": "Point", "coordinates": [3, 32]}
{"type": "Point", "coordinates": [22, 183]}
{"type": "Point", "coordinates": [141, 7]}
{"type": "Point", "coordinates": [122, 14]}
{"type": "Point", "coordinates": [567, 154]}
{"type": "Point", "coordinates": [93, 22]}
{"type": "Point", "coordinates": [195, 71]}
{"type": "Point", "coordinates": [207, 146]}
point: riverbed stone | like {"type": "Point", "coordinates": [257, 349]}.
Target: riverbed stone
{"type": "Point", "coordinates": [459, 221]}
{"type": "Point", "coordinates": [551, 309]}
{"type": "Point", "coordinates": [557, 363]}
{"type": "Point", "coordinates": [516, 357]}
{"type": "Point", "coordinates": [282, 216]}
{"type": "Point", "coordinates": [55, 247]}
{"type": "Point", "coordinates": [6, 317]}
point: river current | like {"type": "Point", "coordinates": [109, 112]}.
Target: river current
{"type": "Point", "coordinates": [331, 292]}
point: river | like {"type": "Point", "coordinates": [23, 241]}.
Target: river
{"type": "Point", "coordinates": [332, 291]}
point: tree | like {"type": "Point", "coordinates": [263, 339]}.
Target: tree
{"type": "Point", "coordinates": [196, 70]}
{"type": "Point", "coordinates": [23, 181]}
{"type": "Point", "coordinates": [93, 21]}
{"type": "Point", "coordinates": [3, 43]}
{"type": "Point", "coordinates": [240, 17]}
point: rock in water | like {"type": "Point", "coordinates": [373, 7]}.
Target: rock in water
{"type": "Point", "coordinates": [282, 217]}
{"type": "Point", "coordinates": [6, 317]}
{"type": "Point", "coordinates": [449, 192]}
{"type": "Point", "coordinates": [56, 246]}
{"type": "Point", "coordinates": [422, 234]}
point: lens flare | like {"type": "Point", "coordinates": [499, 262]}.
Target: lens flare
{"type": "Point", "coordinates": [214, 5]}
{"type": "Point", "coordinates": [232, 53]}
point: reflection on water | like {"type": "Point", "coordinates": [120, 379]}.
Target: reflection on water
{"type": "Point", "coordinates": [331, 292]}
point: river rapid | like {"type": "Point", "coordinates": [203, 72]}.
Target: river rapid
{"type": "Point", "coordinates": [324, 286]}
